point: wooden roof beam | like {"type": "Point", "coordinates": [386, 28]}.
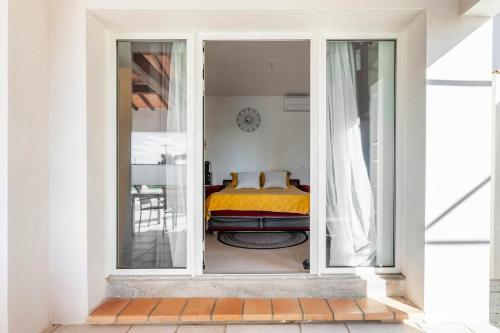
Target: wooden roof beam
{"type": "Point", "coordinates": [146, 101]}
{"type": "Point", "coordinates": [155, 79]}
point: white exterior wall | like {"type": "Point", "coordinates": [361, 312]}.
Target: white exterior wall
{"type": "Point", "coordinates": [96, 154]}
{"type": "Point", "coordinates": [4, 267]}
{"type": "Point", "coordinates": [68, 177]}
{"type": "Point", "coordinates": [410, 158]}
{"type": "Point", "coordinates": [25, 152]}
{"type": "Point", "coordinates": [458, 173]}
{"type": "Point", "coordinates": [495, 218]}
{"type": "Point", "coordinates": [75, 270]}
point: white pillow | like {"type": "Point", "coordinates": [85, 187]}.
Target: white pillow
{"type": "Point", "coordinates": [248, 180]}
{"type": "Point", "coordinates": [275, 179]}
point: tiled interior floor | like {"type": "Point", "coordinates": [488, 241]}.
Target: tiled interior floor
{"type": "Point", "coordinates": [148, 249]}
{"type": "Point", "coordinates": [221, 258]}
{"type": "Point", "coordinates": [149, 246]}
{"type": "Point", "coordinates": [290, 328]}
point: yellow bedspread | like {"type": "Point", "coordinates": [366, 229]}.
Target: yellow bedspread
{"type": "Point", "coordinates": [289, 200]}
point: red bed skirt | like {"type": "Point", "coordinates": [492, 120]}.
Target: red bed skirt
{"type": "Point", "coordinates": [252, 213]}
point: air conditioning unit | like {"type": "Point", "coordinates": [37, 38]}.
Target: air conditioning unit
{"type": "Point", "coordinates": [296, 104]}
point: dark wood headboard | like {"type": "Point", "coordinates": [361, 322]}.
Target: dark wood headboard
{"type": "Point", "coordinates": [294, 182]}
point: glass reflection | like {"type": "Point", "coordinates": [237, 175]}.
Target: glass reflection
{"type": "Point", "coordinates": [360, 153]}
{"type": "Point", "coordinates": [151, 154]}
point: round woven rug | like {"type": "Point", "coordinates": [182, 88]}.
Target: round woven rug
{"type": "Point", "coordinates": [262, 240]}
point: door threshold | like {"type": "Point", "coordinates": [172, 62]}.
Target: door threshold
{"type": "Point", "coordinates": [244, 286]}
{"type": "Point", "coordinates": [257, 274]}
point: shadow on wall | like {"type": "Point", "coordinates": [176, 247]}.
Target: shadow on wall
{"type": "Point", "coordinates": [449, 36]}
{"type": "Point", "coordinates": [458, 203]}
{"type": "Point", "coordinates": [458, 153]}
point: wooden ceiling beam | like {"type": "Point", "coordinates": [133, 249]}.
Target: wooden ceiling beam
{"type": "Point", "coordinates": [146, 101]}
{"type": "Point", "coordinates": [141, 89]}
{"type": "Point", "coordinates": [164, 60]}
{"type": "Point", "coordinates": [156, 100]}
{"type": "Point", "coordinates": [163, 101]}
{"type": "Point", "coordinates": [155, 62]}
{"type": "Point", "coordinates": [154, 78]}
{"type": "Point", "coordinates": [138, 102]}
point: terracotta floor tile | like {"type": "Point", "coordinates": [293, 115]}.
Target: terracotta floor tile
{"type": "Point", "coordinates": [144, 310]}
{"type": "Point", "coordinates": [198, 309]}
{"type": "Point", "coordinates": [257, 309]}
{"type": "Point", "coordinates": [228, 309]}
{"type": "Point", "coordinates": [168, 310]}
{"type": "Point", "coordinates": [374, 310]}
{"type": "Point", "coordinates": [106, 312]}
{"type": "Point", "coordinates": [344, 309]}
{"type": "Point", "coordinates": [137, 311]}
{"type": "Point", "coordinates": [315, 309]}
{"type": "Point", "coordinates": [286, 309]}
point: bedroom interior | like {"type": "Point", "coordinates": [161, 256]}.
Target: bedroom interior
{"type": "Point", "coordinates": [256, 156]}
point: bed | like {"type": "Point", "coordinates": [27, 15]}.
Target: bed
{"type": "Point", "coordinates": [229, 209]}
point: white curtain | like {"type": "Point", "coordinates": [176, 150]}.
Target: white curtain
{"type": "Point", "coordinates": [176, 116]}
{"type": "Point", "coordinates": [176, 178]}
{"type": "Point", "coordinates": [350, 208]}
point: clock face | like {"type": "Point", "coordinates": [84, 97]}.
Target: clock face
{"type": "Point", "coordinates": [248, 119]}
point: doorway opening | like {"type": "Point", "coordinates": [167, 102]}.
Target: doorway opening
{"type": "Point", "coordinates": [256, 156]}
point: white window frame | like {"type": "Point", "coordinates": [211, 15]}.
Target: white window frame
{"type": "Point", "coordinates": [324, 269]}
{"type": "Point", "coordinates": [195, 184]}
{"type": "Point", "coordinates": [111, 230]}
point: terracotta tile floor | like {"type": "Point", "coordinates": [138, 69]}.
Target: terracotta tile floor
{"type": "Point", "coordinates": [236, 310]}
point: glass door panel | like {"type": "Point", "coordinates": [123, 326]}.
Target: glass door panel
{"type": "Point", "coordinates": [152, 141]}
{"type": "Point", "coordinates": [360, 153]}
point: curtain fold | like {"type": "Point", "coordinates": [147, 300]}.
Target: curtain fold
{"type": "Point", "coordinates": [176, 126]}
{"type": "Point", "coordinates": [349, 198]}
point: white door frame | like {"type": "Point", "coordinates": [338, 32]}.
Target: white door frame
{"type": "Point", "coordinates": [195, 182]}
{"type": "Point", "coordinates": [314, 144]}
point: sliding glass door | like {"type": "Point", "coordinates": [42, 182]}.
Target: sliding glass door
{"type": "Point", "coordinates": [152, 146]}
{"type": "Point", "coordinates": [360, 118]}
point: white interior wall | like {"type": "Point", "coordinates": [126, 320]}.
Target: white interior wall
{"type": "Point", "coordinates": [280, 143]}
{"type": "Point", "coordinates": [27, 158]}
{"type": "Point", "coordinates": [458, 187]}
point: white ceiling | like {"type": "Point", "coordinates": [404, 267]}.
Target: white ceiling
{"type": "Point", "coordinates": [256, 68]}
{"type": "Point", "coordinates": [349, 21]}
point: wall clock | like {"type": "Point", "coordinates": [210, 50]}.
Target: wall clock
{"type": "Point", "coordinates": [248, 119]}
